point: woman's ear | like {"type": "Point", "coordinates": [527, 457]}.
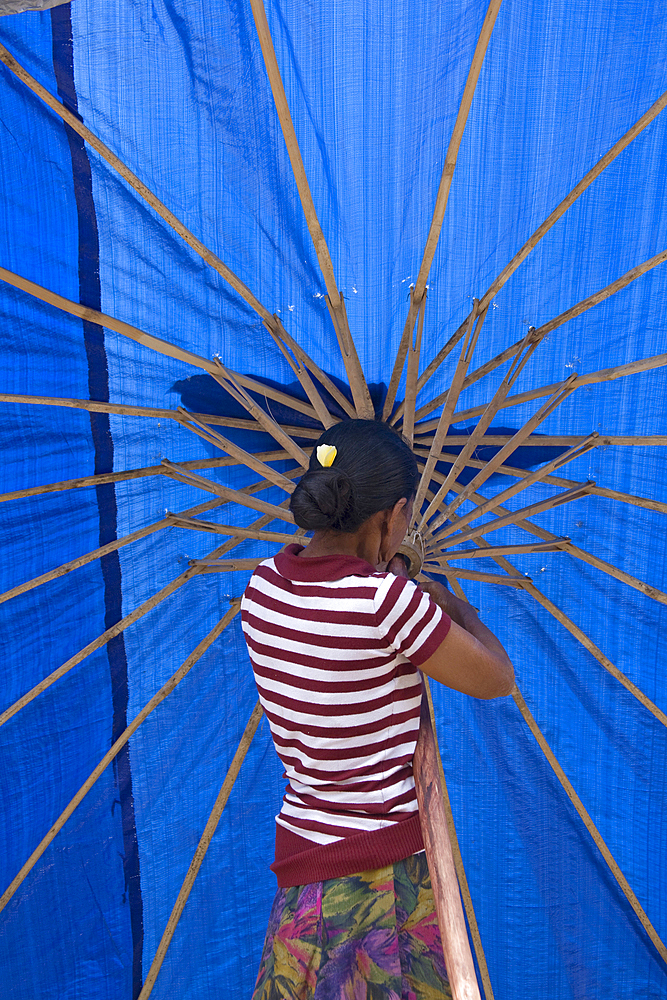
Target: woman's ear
{"type": "Point", "coordinates": [392, 529]}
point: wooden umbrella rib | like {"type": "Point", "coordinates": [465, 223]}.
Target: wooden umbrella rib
{"type": "Point", "coordinates": [279, 336]}
{"type": "Point", "coordinates": [227, 565]}
{"type": "Point", "coordinates": [77, 125]}
{"type": "Point", "coordinates": [603, 660]}
{"type": "Point", "coordinates": [227, 380]}
{"type": "Point", "coordinates": [589, 824]}
{"type": "Point", "coordinates": [474, 376]}
{"type": "Point", "coordinates": [202, 847]}
{"type": "Point", "coordinates": [229, 495]}
{"type": "Point", "coordinates": [441, 199]}
{"type": "Point", "coordinates": [336, 304]}
{"type": "Point", "coordinates": [128, 474]}
{"type": "Point", "coordinates": [123, 409]}
{"type": "Point", "coordinates": [596, 491]}
{"type": "Point", "coordinates": [103, 550]}
{"type": "Point", "coordinates": [508, 449]}
{"type": "Point", "coordinates": [412, 375]}
{"type": "Point", "coordinates": [237, 452]}
{"type": "Point", "coordinates": [315, 370]}
{"type": "Point", "coordinates": [473, 574]}
{"type": "Point", "coordinates": [476, 436]}
{"type": "Point", "coordinates": [573, 550]}
{"type": "Point", "coordinates": [575, 193]}
{"type": "Point", "coordinates": [433, 365]}
{"type": "Point", "coordinates": [120, 626]}
{"type": "Point", "coordinates": [148, 340]}
{"type": "Point", "coordinates": [445, 420]}
{"type": "Point", "coordinates": [567, 440]}
{"type": "Point", "coordinates": [500, 550]}
{"type": "Point", "coordinates": [156, 700]}
{"type": "Point", "coordinates": [511, 517]}
{"type": "Point", "coordinates": [194, 524]}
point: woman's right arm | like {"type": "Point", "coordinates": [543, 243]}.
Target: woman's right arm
{"type": "Point", "coordinates": [470, 658]}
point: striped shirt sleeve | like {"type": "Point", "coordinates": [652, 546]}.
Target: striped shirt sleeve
{"type": "Point", "coordinates": [408, 620]}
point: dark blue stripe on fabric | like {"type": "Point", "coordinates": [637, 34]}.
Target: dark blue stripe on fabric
{"type": "Point", "coordinates": [98, 385]}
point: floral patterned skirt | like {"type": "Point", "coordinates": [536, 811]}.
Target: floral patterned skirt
{"type": "Point", "coordinates": [372, 936]}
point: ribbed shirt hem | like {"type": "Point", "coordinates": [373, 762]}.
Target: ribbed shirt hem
{"type": "Point", "coordinates": [298, 862]}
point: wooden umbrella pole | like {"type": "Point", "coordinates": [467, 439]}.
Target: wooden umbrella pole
{"type": "Point", "coordinates": [433, 817]}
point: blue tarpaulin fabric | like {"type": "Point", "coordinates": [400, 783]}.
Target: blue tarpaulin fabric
{"type": "Point", "coordinates": [179, 92]}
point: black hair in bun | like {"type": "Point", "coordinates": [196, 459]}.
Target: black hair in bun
{"type": "Point", "coordinates": [373, 469]}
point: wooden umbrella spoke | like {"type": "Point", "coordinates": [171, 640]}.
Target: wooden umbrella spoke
{"type": "Point", "coordinates": [411, 378]}
{"type": "Point", "coordinates": [227, 380]}
{"type": "Point", "coordinates": [243, 456]}
{"type": "Point", "coordinates": [445, 420]}
{"type": "Point", "coordinates": [123, 409]}
{"type": "Point", "coordinates": [138, 186]}
{"type": "Point", "coordinates": [505, 452]}
{"type": "Point", "coordinates": [103, 550]}
{"type": "Point", "coordinates": [134, 536]}
{"type": "Point", "coordinates": [301, 371]}
{"type": "Point", "coordinates": [574, 550]}
{"type": "Point", "coordinates": [114, 630]}
{"type": "Point", "coordinates": [596, 491]}
{"type": "Point", "coordinates": [589, 824]}
{"type": "Point", "coordinates": [472, 574]}
{"type": "Point", "coordinates": [566, 203]}
{"type": "Point", "coordinates": [483, 424]}
{"type": "Point", "coordinates": [148, 340]}
{"type": "Point", "coordinates": [227, 565]}
{"type": "Point", "coordinates": [474, 376]}
{"type": "Point", "coordinates": [156, 700]}
{"type": "Point", "coordinates": [229, 495]}
{"type": "Point", "coordinates": [200, 853]}
{"type": "Point", "coordinates": [128, 474]}
{"type": "Point", "coordinates": [194, 524]}
{"type": "Point", "coordinates": [307, 363]}
{"type": "Point", "coordinates": [512, 517]}
{"type": "Point", "coordinates": [499, 550]}
{"type": "Point", "coordinates": [360, 393]}
{"type": "Point", "coordinates": [441, 200]}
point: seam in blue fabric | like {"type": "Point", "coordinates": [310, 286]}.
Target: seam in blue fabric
{"type": "Point", "coordinates": [98, 385]}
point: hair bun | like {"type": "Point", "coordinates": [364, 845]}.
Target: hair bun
{"type": "Point", "coordinates": [322, 499]}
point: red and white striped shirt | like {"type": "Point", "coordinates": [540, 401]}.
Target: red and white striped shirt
{"type": "Point", "coordinates": [335, 648]}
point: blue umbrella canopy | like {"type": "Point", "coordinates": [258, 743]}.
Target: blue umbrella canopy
{"type": "Point", "coordinates": [225, 226]}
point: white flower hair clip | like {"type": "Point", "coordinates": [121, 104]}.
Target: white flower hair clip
{"type": "Point", "coordinates": [326, 454]}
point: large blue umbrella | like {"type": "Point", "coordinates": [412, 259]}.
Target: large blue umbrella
{"type": "Point", "coordinates": [259, 209]}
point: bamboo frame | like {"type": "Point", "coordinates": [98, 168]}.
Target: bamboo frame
{"type": "Point", "coordinates": [511, 517]}
{"type": "Point", "coordinates": [202, 847]}
{"type": "Point", "coordinates": [445, 420]}
{"type": "Point", "coordinates": [495, 463]}
{"type": "Point", "coordinates": [589, 824]}
{"type": "Point", "coordinates": [501, 550]}
{"type": "Point", "coordinates": [596, 491]}
{"type": "Point", "coordinates": [412, 375]}
{"type": "Point", "coordinates": [120, 626]}
{"type": "Point", "coordinates": [523, 354]}
{"type": "Point", "coordinates": [123, 409]}
{"type": "Point", "coordinates": [235, 451]}
{"type": "Point", "coordinates": [225, 492]}
{"type": "Point", "coordinates": [120, 477]}
{"type": "Point", "coordinates": [472, 574]}
{"type": "Point", "coordinates": [281, 537]}
{"type": "Point", "coordinates": [441, 200]}
{"type": "Point", "coordinates": [149, 340]}
{"type": "Point", "coordinates": [360, 393]}
{"type": "Point", "coordinates": [103, 550]}
{"type": "Point", "coordinates": [111, 754]}
{"type": "Point", "coordinates": [228, 381]}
